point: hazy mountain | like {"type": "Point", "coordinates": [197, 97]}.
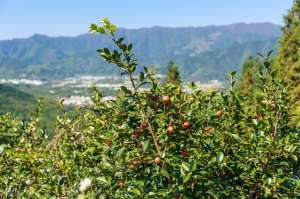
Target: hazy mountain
{"type": "Point", "coordinates": [202, 53]}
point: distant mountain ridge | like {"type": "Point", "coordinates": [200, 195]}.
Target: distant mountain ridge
{"type": "Point", "coordinates": [202, 53]}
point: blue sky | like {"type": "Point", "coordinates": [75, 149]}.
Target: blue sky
{"type": "Point", "coordinates": [22, 18]}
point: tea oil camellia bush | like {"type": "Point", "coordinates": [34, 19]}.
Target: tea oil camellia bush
{"type": "Point", "coordinates": [160, 142]}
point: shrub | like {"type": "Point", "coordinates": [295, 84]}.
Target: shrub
{"type": "Point", "coordinates": [162, 142]}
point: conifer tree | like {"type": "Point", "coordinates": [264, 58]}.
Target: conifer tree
{"type": "Point", "coordinates": [249, 76]}
{"type": "Point", "coordinates": [173, 75]}
{"type": "Point", "coordinates": [289, 54]}
{"type": "Point", "coordinates": [249, 73]}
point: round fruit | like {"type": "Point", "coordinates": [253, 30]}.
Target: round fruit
{"type": "Point", "coordinates": [186, 124]}
{"type": "Point", "coordinates": [144, 125]}
{"type": "Point", "coordinates": [136, 163]}
{"type": "Point", "coordinates": [219, 114]}
{"type": "Point", "coordinates": [121, 184]}
{"type": "Point", "coordinates": [157, 160]}
{"type": "Point", "coordinates": [142, 143]}
{"type": "Point", "coordinates": [170, 130]}
{"type": "Point", "coordinates": [137, 133]}
{"type": "Point", "coordinates": [155, 98]}
{"type": "Point", "coordinates": [184, 153]}
{"type": "Point", "coordinates": [109, 143]}
{"type": "Point", "coordinates": [179, 197]}
{"type": "Point", "coordinates": [259, 117]}
{"type": "Point", "coordinates": [166, 100]}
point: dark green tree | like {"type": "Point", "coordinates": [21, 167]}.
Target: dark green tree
{"type": "Point", "coordinates": [173, 75]}
{"type": "Point", "coordinates": [248, 81]}
{"type": "Point", "coordinates": [288, 60]}
{"type": "Point", "coordinates": [249, 74]}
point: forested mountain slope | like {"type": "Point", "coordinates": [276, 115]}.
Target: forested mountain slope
{"type": "Point", "coordinates": [203, 53]}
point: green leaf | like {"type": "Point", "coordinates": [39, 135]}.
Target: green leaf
{"type": "Point", "coordinates": [135, 191]}
{"type": "Point", "coordinates": [269, 181]}
{"type": "Point", "coordinates": [106, 164]}
{"type": "Point", "coordinates": [220, 157]}
{"type": "Point", "coordinates": [142, 76]}
{"type": "Point", "coordinates": [182, 171]}
{"type": "Point", "coordinates": [233, 73]}
{"type": "Point", "coordinates": [126, 90]}
{"type": "Point", "coordinates": [120, 152]}
{"type": "Point", "coordinates": [164, 172]}
{"type": "Point", "coordinates": [129, 47]}
{"type": "Point", "coordinates": [145, 69]}
{"type": "Point", "coordinates": [185, 166]}
{"type": "Point", "coordinates": [132, 68]}
{"type": "Point", "coordinates": [101, 30]}
{"type": "Point", "coordinates": [187, 177]}
{"type": "Point", "coordinates": [146, 145]}
{"type": "Point", "coordinates": [93, 27]}
{"type": "Point", "coordinates": [235, 136]}
{"type": "Point", "coordinates": [121, 40]}
{"type": "Point", "coordinates": [106, 51]}
{"type": "Point", "coordinates": [102, 180]}
{"type": "Point", "coordinates": [269, 53]}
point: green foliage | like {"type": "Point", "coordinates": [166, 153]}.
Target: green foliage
{"type": "Point", "coordinates": [202, 53]}
{"type": "Point", "coordinates": [249, 75]}
{"type": "Point", "coordinates": [289, 56]}
{"type": "Point", "coordinates": [13, 100]}
{"type": "Point", "coordinates": [10, 130]}
{"type": "Point", "coordinates": [160, 143]}
{"type": "Point", "coordinates": [23, 106]}
{"type": "Point", "coordinates": [173, 75]}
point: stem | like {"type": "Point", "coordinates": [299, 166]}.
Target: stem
{"type": "Point", "coordinates": [151, 130]}
{"type": "Point", "coordinates": [153, 136]}
{"type": "Point", "coordinates": [127, 58]}
{"type": "Point", "coordinates": [132, 82]}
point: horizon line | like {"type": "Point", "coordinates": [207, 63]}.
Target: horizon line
{"type": "Point", "coordinates": [141, 28]}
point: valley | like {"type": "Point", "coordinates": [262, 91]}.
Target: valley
{"type": "Point", "coordinates": [77, 90]}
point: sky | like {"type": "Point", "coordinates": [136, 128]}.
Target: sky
{"type": "Point", "coordinates": [23, 18]}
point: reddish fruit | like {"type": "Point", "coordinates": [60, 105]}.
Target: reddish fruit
{"type": "Point", "coordinates": [137, 133]}
{"type": "Point", "coordinates": [166, 100]}
{"type": "Point", "coordinates": [142, 158]}
{"type": "Point", "coordinates": [219, 114]}
{"type": "Point", "coordinates": [121, 184]}
{"type": "Point", "coordinates": [157, 160]}
{"type": "Point", "coordinates": [109, 143]}
{"type": "Point", "coordinates": [135, 163]}
{"type": "Point", "coordinates": [18, 149]}
{"type": "Point", "coordinates": [144, 125]}
{"type": "Point", "coordinates": [142, 143]}
{"type": "Point", "coordinates": [170, 130]}
{"type": "Point", "coordinates": [259, 117]}
{"type": "Point", "coordinates": [155, 98]}
{"type": "Point", "coordinates": [179, 197]}
{"type": "Point", "coordinates": [159, 146]}
{"type": "Point", "coordinates": [184, 153]}
{"type": "Point", "coordinates": [186, 125]}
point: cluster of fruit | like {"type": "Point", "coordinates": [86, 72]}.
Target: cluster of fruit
{"type": "Point", "coordinates": [186, 124]}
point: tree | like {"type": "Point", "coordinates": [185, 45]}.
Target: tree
{"type": "Point", "coordinates": [248, 81]}
{"type": "Point", "coordinates": [249, 75]}
{"type": "Point", "coordinates": [173, 75]}
{"type": "Point", "coordinates": [289, 54]}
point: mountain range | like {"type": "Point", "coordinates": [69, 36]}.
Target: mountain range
{"type": "Point", "coordinates": [201, 53]}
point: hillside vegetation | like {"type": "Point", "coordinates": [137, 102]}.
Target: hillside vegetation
{"type": "Point", "coordinates": [13, 100]}
{"type": "Point", "coordinates": [159, 143]}
{"type": "Point", "coordinates": [202, 53]}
